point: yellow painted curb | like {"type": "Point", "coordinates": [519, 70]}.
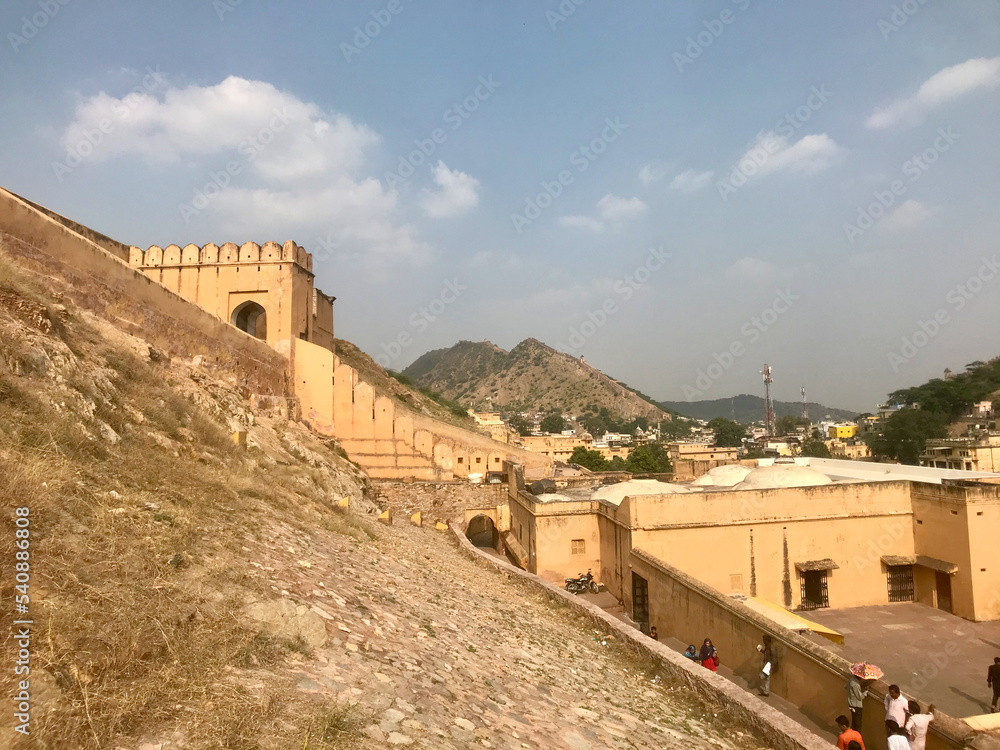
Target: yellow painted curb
{"type": "Point", "coordinates": [385, 517]}
{"type": "Point", "coordinates": [441, 526]}
{"type": "Point", "coordinates": [417, 519]}
{"type": "Point", "coordinates": [345, 503]}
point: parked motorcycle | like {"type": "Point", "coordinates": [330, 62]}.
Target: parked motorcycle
{"type": "Point", "coordinates": [582, 584]}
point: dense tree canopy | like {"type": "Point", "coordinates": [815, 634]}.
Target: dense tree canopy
{"type": "Point", "coordinates": [953, 397]}
{"type": "Point", "coordinates": [651, 458]}
{"type": "Point", "coordinates": [906, 433]}
{"type": "Point", "coordinates": [588, 459]}
{"type": "Point", "coordinates": [786, 425]}
{"type": "Point", "coordinates": [815, 448]}
{"type": "Point", "coordinates": [519, 424]}
{"type": "Point", "coordinates": [728, 434]}
{"type": "Point", "coordinates": [554, 424]}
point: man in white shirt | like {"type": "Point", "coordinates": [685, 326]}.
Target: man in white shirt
{"type": "Point", "coordinates": [897, 736]}
{"type": "Point", "coordinates": [916, 725]}
{"type": "Point", "coordinates": [895, 707]}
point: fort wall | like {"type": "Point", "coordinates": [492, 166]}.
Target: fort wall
{"type": "Point", "coordinates": [100, 281]}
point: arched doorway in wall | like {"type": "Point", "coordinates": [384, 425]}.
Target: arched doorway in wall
{"type": "Point", "coordinates": [482, 532]}
{"type": "Point", "coordinates": [252, 318]}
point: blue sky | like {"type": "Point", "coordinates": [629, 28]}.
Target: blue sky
{"type": "Point", "coordinates": [811, 185]}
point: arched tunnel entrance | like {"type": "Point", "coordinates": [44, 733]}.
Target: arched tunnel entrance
{"type": "Point", "coordinates": [482, 532]}
{"type": "Point", "coordinates": [250, 317]}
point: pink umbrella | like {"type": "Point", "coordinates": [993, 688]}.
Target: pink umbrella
{"type": "Point", "coordinates": [865, 671]}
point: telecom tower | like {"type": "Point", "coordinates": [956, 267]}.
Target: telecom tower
{"type": "Point", "coordinates": [769, 404]}
{"type": "Point", "coordinates": [805, 409]}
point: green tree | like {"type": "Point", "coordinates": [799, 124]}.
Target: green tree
{"type": "Point", "coordinates": [816, 449]}
{"type": "Point", "coordinates": [618, 464]}
{"type": "Point", "coordinates": [519, 424]}
{"type": "Point", "coordinates": [906, 433]}
{"type": "Point", "coordinates": [728, 434]}
{"type": "Point", "coordinates": [651, 458]}
{"type": "Point", "coordinates": [554, 424]}
{"type": "Point", "coordinates": [786, 425]}
{"type": "Point", "coordinates": [588, 459]}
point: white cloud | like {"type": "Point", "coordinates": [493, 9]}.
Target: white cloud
{"type": "Point", "coordinates": [909, 214]}
{"type": "Point", "coordinates": [773, 153]}
{"type": "Point", "coordinates": [752, 269]}
{"type": "Point", "coordinates": [942, 87]}
{"type": "Point", "coordinates": [613, 208]}
{"type": "Point", "coordinates": [652, 172]}
{"type": "Point", "coordinates": [300, 169]}
{"type": "Point", "coordinates": [284, 137]}
{"type": "Point", "coordinates": [691, 181]}
{"type": "Point", "coordinates": [581, 222]}
{"type": "Point", "coordinates": [457, 193]}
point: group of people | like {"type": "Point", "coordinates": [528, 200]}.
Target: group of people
{"type": "Point", "coordinates": [905, 724]}
{"type": "Point", "coordinates": [707, 656]}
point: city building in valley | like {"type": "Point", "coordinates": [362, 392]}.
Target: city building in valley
{"type": "Point", "coordinates": [970, 453]}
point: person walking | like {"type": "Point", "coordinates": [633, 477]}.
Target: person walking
{"type": "Point", "coordinates": [857, 691]}
{"type": "Point", "coordinates": [767, 666]}
{"type": "Point", "coordinates": [691, 652]}
{"type": "Point", "coordinates": [895, 708]}
{"type": "Point", "coordinates": [916, 725]}
{"type": "Point", "coordinates": [993, 681]}
{"type": "Point", "coordinates": [848, 734]}
{"type": "Point", "coordinates": [653, 634]}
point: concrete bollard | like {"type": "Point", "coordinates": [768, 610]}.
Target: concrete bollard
{"type": "Point", "coordinates": [386, 517]}
{"type": "Point", "coordinates": [344, 503]}
{"type": "Point", "coordinates": [417, 519]}
{"type": "Point", "coordinates": [441, 526]}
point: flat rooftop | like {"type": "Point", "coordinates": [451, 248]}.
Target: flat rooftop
{"type": "Point", "coordinates": [933, 656]}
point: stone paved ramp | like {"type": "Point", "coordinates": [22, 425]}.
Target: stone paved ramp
{"type": "Point", "coordinates": [441, 652]}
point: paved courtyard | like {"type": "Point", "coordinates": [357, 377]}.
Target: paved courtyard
{"type": "Point", "coordinates": [931, 655]}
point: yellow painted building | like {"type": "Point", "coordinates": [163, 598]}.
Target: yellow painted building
{"type": "Point", "coordinates": [839, 545]}
{"type": "Point", "coordinates": [842, 431]}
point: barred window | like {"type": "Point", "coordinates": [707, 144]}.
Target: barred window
{"type": "Point", "coordinates": [578, 547]}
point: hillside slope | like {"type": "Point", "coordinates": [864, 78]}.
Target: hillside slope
{"type": "Point", "coordinates": [371, 372]}
{"type": "Point", "coordinates": [529, 376]}
{"type": "Point", "coordinates": [187, 591]}
{"type": "Point", "coordinates": [746, 409]}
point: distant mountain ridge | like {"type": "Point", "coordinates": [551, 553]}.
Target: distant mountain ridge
{"type": "Point", "coordinates": [746, 409]}
{"type": "Point", "coordinates": [532, 375]}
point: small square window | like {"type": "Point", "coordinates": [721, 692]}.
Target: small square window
{"type": "Point", "coordinates": [460, 459]}
{"type": "Point", "coordinates": [479, 459]}
{"type": "Point", "coordinates": [496, 460]}
{"type": "Point", "coordinates": [578, 547]}
{"type": "Point", "coordinates": [736, 582]}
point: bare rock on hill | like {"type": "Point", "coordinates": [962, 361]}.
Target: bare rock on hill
{"type": "Point", "coordinates": [286, 619]}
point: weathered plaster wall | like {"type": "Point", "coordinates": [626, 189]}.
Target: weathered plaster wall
{"type": "Point", "coordinates": [958, 523]}
{"type": "Point", "coordinates": [103, 283]}
{"type": "Point", "coordinates": [809, 676]}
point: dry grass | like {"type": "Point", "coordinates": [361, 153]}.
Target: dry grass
{"type": "Point", "coordinates": [136, 588]}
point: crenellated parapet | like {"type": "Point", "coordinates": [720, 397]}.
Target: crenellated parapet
{"type": "Point", "coordinates": [174, 256]}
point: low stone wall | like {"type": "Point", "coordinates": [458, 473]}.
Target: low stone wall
{"type": "Point", "coordinates": [446, 501]}
{"type": "Point", "coordinates": [780, 732]}
{"type": "Point", "coordinates": [808, 675]}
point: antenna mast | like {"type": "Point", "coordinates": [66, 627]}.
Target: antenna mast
{"type": "Point", "coordinates": [805, 409]}
{"type": "Point", "coordinates": [768, 403]}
